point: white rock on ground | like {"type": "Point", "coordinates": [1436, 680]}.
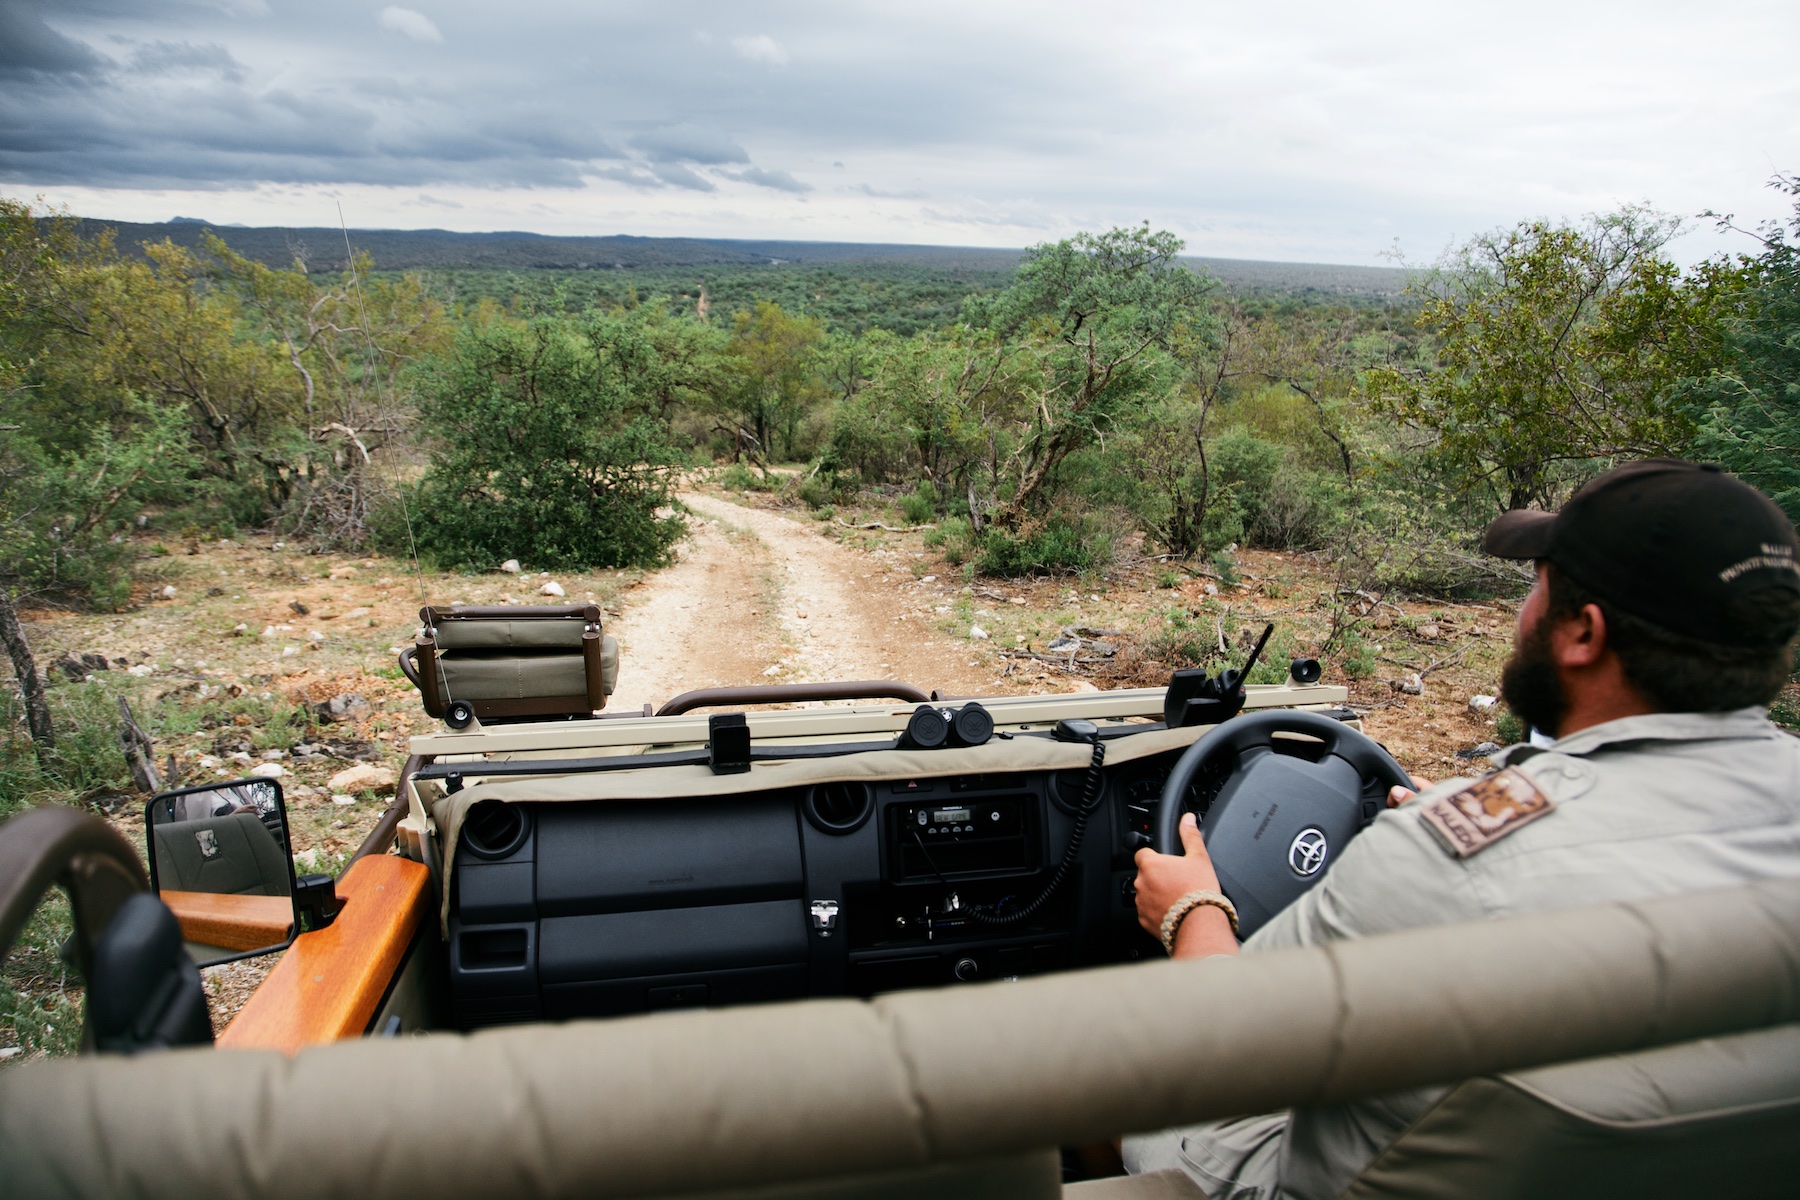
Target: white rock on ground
{"type": "Point", "coordinates": [552, 589]}
{"type": "Point", "coordinates": [268, 771]}
{"type": "Point", "coordinates": [342, 798]}
{"type": "Point", "coordinates": [1481, 704]}
{"type": "Point", "coordinates": [510, 566]}
{"type": "Point", "coordinates": [977, 634]}
{"type": "Point", "coordinates": [362, 778]}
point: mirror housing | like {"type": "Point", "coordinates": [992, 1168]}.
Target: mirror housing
{"type": "Point", "coordinates": [221, 859]}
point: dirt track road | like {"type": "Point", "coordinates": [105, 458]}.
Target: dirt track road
{"type": "Point", "coordinates": [757, 597]}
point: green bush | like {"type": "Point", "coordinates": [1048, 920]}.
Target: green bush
{"type": "Point", "coordinates": [542, 454]}
{"type": "Point", "coordinates": [1356, 655]}
{"type": "Point", "coordinates": [921, 505]}
{"type": "Point", "coordinates": [828, 487]}
{"type": "Point", "coordinates": [87, 760]}
{"type": "Point", "coordinates": [66, 515]}
{"type": "Point", "coordinates": [1063, 543]}
{"type": "Point", "coordinates": [1181, 641]}
{"type": "Point", "coordinates": [739, 478]}
{"type": "Point", "coordinates": [1271, 501]}
{"type": "Point", "coordinates": [955, 537]}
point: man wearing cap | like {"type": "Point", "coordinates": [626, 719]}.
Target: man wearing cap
{"type": "Point", "coordinates": [1661, 625]}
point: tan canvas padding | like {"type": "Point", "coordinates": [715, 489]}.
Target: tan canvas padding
{"type": "Point", "coordinates": [1675, 1082]}
{"type": "Point", "coordinates": [1031, 1176]}
{"type": "Point", "coordinates": [572, 738]}
{"type": "Point", "coordinates": [664, 783]}
{"type": "Point", "coordinates": [511, 676]}
{"type": "Point", "coordinates": [609, 663]}
{"type": "Point", "coordinates": [1153, 1185]}
{"type": "Point", "coordinates": [696, 1102]}
{"type": "Point", "coordinates": [1688, 1119]}
{"type": "Point", "coordinates": [468, 634]}
{"type": "Point", "coordinates": [1491, 1138]}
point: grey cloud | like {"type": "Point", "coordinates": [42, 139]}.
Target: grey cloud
{"type": "Point", "coordinates": [677, 175]}
{"type": "Point", "coordinates": [863, 189]}
{"type": "Point", "coordinates": [635, 177]}
{"type": "Point", "coordinates": [165, 58]}
{"type": "Point", "coordinates": [28, 46]}
{"type": "Point", "coordinates": [780, 181]}
{"type": "Point", "coordinates": [539, 98]}
{"type": "Point", "coordinates": [689, 143]}
{"type": "Point", "coordinates": [1005, 115]}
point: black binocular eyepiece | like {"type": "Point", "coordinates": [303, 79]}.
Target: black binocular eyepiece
{"type": "Point", "coordinates": [931, 727]}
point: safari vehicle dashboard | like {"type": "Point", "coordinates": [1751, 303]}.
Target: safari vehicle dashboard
{"type": "Point", "coordinates": [566, 908]}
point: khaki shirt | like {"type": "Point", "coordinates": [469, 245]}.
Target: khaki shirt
{"type": "Point", "coordinates": [1644, 806]}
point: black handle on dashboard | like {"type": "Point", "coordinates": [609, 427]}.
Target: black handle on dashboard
{"type": "Point", "coordinates": [787, 693]}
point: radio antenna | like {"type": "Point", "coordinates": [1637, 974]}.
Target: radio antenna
{"type": "Point", "coordinates": [1255, 654]}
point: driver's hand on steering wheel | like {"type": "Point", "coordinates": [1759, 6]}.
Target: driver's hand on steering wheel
{"type": "Point", "coordinates": [1162, 879]}
{"type": "Point", "coordinates": [1398, 795]}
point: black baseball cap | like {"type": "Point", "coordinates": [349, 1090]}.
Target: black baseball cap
{"type": "Point", "coordinates": [1681, 545]}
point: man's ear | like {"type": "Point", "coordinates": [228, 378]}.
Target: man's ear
{"type": "Point", "coordinates": [1580, 640]}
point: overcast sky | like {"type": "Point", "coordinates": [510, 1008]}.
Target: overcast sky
{"type": "Point", "coordinates": [1308, 130]}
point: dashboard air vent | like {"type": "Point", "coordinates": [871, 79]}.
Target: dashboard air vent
{"type": "Point", "coordinates": [839, 807]}
{"type": "Point", "coordinates": [494, 830]}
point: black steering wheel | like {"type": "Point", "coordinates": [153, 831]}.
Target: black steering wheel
{"type": "Point", "coordinates": [1279, 820]}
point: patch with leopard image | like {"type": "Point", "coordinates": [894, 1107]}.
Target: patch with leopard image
{"type": "Point", "coordinates": [1473, 819]}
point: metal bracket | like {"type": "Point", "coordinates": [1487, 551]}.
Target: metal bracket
{"type": "Point", "coordinates": [824, 916]}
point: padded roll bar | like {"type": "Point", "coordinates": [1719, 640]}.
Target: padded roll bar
{"type": "Point", "coordinates": [57, 846]}
{"type": "Point", "coordinates": [789, 693]}
{"type": "Point", "coordinates": [682, 1103]}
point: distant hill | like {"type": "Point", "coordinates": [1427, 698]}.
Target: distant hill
{"type": "Point", "coordinates": [440, 249]}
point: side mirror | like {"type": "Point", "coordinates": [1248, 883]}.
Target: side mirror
{"type": "Point", "coordinates": [221, 860]}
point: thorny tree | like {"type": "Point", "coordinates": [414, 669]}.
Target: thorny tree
{"type": "Point", "coordinates": [1098, 314]}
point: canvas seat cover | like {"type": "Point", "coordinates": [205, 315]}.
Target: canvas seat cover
{"type": "Point", "coordinates": [1685, 1120]}
{"type": "Point", "coordinates": [472, 634]}
{"type": "Point", "coordinates": [245, 861]}
{"type": "Point", "coordinates": [522, 673]}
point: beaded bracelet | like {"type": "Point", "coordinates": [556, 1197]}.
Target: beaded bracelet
{"type": "Point", "coordinates": [1178, 911]}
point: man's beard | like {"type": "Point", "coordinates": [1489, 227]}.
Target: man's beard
{"type": "Point", "coordinates": [1529, 683]}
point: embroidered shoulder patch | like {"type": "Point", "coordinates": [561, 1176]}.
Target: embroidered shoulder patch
{"type": "Point", "coordinates": [1484, 812]}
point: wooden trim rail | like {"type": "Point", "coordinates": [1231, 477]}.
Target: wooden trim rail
{"type": "Point", "coordinates": [329, 983]}
{"type": "Point", "coordinates": [232, 922]}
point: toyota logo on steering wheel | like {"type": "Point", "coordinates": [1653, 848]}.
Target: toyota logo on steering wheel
{"type": "Point", "coordinates": [1307, 853]}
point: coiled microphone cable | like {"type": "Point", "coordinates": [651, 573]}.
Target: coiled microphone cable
{"type": "Point", "coordinates": [1072, 731]}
